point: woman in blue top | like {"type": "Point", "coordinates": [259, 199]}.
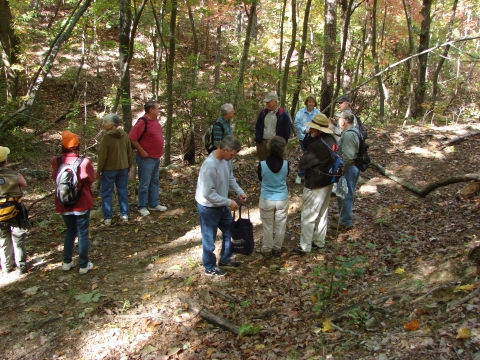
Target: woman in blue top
{"type": "Point", "coordinates": [273, 203]}
{"type": "Point", "coordinates": [304, 115]}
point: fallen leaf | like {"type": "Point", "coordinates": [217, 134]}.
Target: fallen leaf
{"type": "Point", "coordinates": [148, 349]}
{"type": "Point", "coordinates": [161, 260]}
{"type": "Point", "coordinates": [173, 351]}
{"type": "Point", "coordinates": [31, 291]}
{"type": "Point", "coordinates": [468, 287]}
{"type": "Point", "coordinates": [411, 325]}
{"type": "Point", "coordinates": [146, 297]}
{"type": "Point", "coordinates": [94, 286]}
{"type": "Point", "coordinates": [327, 326]}
{"type": "Point", "coordinates": [399, 271]}
{"type": "Point", "coordinates": [463, 333]}
{"type": "Point", "coordinates": [258, 347]}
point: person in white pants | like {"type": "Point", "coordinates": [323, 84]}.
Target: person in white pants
{"type": "Point", "coordinates": [273, 202]}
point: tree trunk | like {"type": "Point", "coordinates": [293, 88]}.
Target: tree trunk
{"type": "Point", "coordinates": [443, 56]}
{"type": "Point", "coordinates": [218, 59]}
{"type": "Point", "coordinates": [243, 61]}
{"type": "Point", "coordinates": [280, 55]}
{"type": "Point", "coordinates": [301, 58]}
{"type": "Point", "coordinates": [411, 67]}
{"type": "Point", "coordinates": [194, 30]}
{"type": "Point", "coordinates": [421, 86]}
{"type": "Point", "coordinates": [9, 44]}
{"type": "Point", "coordinates": [289, 55]}
{"type": "Point", "coordinates": [170, 64]}
{"type": "Point", "coordinates": [329, 54]}
{"type": "Point", "coordinates": [377, 63]}
{"type": "Point", "coordinates": [158, 65]}
{"type": "Point", "coordinates": [48, 61]}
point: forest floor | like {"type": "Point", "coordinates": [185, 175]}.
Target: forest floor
{"type": "Point", "coordinates": [396, 274]}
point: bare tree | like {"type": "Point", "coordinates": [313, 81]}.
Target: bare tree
{"type": "Point", "coordinates": [9, 43]}
{"type": "Point", "coordinates": [377, 63]}
{"type": "Point", "coordinates": [289, 54]}
{"type": "Point", "coordinates": [329, 54]}
{"type": "Point", "coordinates": [280, 55]}
{"type": "Point", "coordinates": [411, 64]}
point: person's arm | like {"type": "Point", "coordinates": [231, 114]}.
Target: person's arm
{"type": "Point", "coordinates": [298, 123]}
{"type": "Point", "coordinates": [102, 157]}
{"type": "Point", "coordinates": [259, 171]}
{"type": "Point", "coordinates": [134, 135]}
{"type": "Point", "coordinates": [217, 134]}
{"type": "Point", "coordinates": [259, 128]}
{"type": "Point", "coordinates": [21, 181]}
{"type": "Point", "coordinates": [286, 126]}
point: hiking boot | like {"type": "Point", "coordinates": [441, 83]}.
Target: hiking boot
{"type": "Point", "coordinates": [86, 269]}
{"type": "Point", "coordinates": [107, 222]}
{"type": "Point", "coordinates": [143, 211]}
{"type": "Point", "coordinates": [215, 272]}
{"type": "Point", "coordinates": [315, 246]}
{"type": "Point", "coordinates": [297, 250]}
{"type": "Point", "coordinates": [298, 180]}
{"type": "Point", "coordinates": [66, 266]}
{"type": "Point", "coordinates": [335, 225]}
{"type": "Point", "coordinates": [277, 252]}
{"type": "Point", "coordinates": [231, 263]}
{"type": "Point", "coordinates": [158, 208]}
{"type": "Point", "coordinates": [124, 218]}
{"type": "Point", "coordinates": [336, 217]}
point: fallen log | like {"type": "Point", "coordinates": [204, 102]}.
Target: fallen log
{"type": "Point", "coordinates": [430, 187]}
{"type": "Point", "coordinates": [226, 297]}
{"type": "Point", "coordinates": [210, 316]}
{"type": "Point", "coordinates": [454, 140]}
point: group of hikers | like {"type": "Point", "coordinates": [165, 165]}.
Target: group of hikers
{"type": "Point", "coordinates": [74, 175]}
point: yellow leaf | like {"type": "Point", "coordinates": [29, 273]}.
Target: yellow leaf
{"type": "Point", "coordinates": [125, 290]}
{"type": "Point", "coordinates": [327, 326]}
{"type": "Point", "coordinates": [313, 298]}
{"type": "Point", "coordinates": [399, 271]}
{"type": "Point", "coordinates": [463, 333]}
{"type": "Point", "coordinates": [468, 287]}
{"type": "Point", "coordinates": [94, 286]}
{"type": "Point", "coordinates": [259, 346]}
{"type": "Point", "coordinates": [210, 351]}
{"type": "Point", "coordinates": [411, 325]}
{"type": "Point", "coordinates": [146, 297]}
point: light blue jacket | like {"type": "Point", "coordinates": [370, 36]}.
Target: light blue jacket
{"type": "Point", "coordinates": [301, 118]}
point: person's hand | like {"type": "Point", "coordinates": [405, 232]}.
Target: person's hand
{"type": "Point", "coordinates": [97, 175]}
{"type": "Point", "coordinates": [307, 131]}
{"type": "Point", "coordinates": [233, 205]}
{"type": "Point", "coordinates": [243, 198]}
{"type": "Point", "coordinates": [331, 121]}
{"type": "Point", "coordinates": [144, 154]}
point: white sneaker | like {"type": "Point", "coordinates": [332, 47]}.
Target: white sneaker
{"type": "Point", "coordinates": [66, 266]}
{"type": "Point", "coordinates": [107, 222]}
{"type": "Point", "coordinates": [158, 208]}
{"type": "Point", "coordinates": [124, 218]}
{"type": "Point", "coordinates": [85, 270]}
{"type": "Point", "coordinates": [144, 212]}
{"type": "Point", "coordinates": [298, 180]}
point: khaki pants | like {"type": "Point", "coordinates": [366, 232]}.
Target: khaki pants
{"type": "Point", "coordinates": [12, 242]}
{"type": "Point", "coordinates": [274, 219]}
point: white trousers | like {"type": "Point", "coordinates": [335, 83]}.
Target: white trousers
{"type": "Point", "coordinates": [315, 206]}
{"type": "Point", "coordinates": [274, 219]}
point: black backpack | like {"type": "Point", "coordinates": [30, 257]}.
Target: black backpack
{"type": "Point", "coordinates": [67, 191]}
{"type": "Point", "coordinates": [361, 128]}
{"type": "Point", "coordinates": [362, 161]}
{"type": "Point", "coordinates": [208, 139]}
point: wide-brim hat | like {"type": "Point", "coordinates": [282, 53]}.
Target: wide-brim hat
{"type": "Point", "coordinates": [320, 122]}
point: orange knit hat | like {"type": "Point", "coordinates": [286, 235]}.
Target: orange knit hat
{"type": "Point", "coordinates": [69, 140]}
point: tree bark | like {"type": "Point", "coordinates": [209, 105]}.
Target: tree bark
{"type": "Point", "coordinates": [280, 55]}
{"type": "Point", "coordinates": [9, 43]}
{"type": "Point", "coordinates": [218, 59]}
{"type": "Point", "coordinates": [301, 58]}
{"type": "Point", "coordinates": [194, 30]}
{"type": "Point", "coordinates": [443, 56]}
{"type": "Point", "coordinates": [158, 65]}
{"type": "Point", "coordinates": [286, 70]}
{"type": "Point", "coordinates": [329, 54]}
{"type": "Point", "coordinates": [411, 67]}
{"type": "Point", "coordinates": [210, 316]}
{"type": "Point", "coordinates": [421, 86]}
{"type": "Point", "coordinates": [430, 187]}
{"type": "Point", "coordinates": [376, 60]}
{"type": "Point", "coordinates": [243, 61]}
{"type": "Point", "coordinates": [170, 64]}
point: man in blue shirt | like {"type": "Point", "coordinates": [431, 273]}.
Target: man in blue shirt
{"type": "Point", "coordinates": [225, 128]}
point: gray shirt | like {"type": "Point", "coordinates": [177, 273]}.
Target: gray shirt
{"type": "Point", "coordinates": [270, 127]}
{"type": "Point", "coordinates": [348, 145]}
{"type": "Point", "coordinates": [214, 181]}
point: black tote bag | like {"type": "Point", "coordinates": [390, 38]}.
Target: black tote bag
{"type": "Point", "coordinates": [242, 241]}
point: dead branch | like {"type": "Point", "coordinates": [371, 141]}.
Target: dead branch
{"type": "Point", "coordinates": [38, 200]}
{"type": "Point", "coordinates": [454, 140]}
{"type": "Point", "coordinates": [226, 297]}
{"type": "Point", "coordinates": [430, 187]}
{"type": "Point", "coordinates": [463, 300]}
{"type": "Point", "coordinates": [441, 287]}
{"type": "Point", "coordinates": [210, 316]}
{"type": "Point", "coordinates": [343, 330]}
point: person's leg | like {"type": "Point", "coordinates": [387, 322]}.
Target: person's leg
{"type": "Point", "coordinates": [267, 212]}
{"type": "Point", "coordinates": [143, 181]}
{"type": "Point", "coordinates": [6, 254]}
{"type": "Point", "coordinates": [280, 221]}
{"type": "Point", "coordinates": [225, 226]}
{"type": "Point", "coordinates": [301, 172]}
{"type": "Point", "coordinates": [321, 229]}
{"type": "Point", "coordinates": [346, 206]}
{"type": "Point", "coordinates": [18, 238]}
{"type": "Point", "coordinates": [108, 179]}
{"type": "Point", "coordinates": [83, 222]}
{"type": "Point", "coordinates": [154, 186]}
{"type": "Point", "coordinates": [209, 219]}
{"type": "Point", "coordinates": [311, 205]}
{"type": "Point", "coordinates": [69, 240]}
{"type": "Point", "coordinates": [262, 151]}
{"type": "Point", "coordinates": [121, 182]}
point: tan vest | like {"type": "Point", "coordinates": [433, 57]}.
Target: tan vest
{"type": "Point", "coordinates": [9, 183]}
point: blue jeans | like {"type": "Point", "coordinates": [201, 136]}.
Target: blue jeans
{"type": "Point", "coordinates": [119, 178]}
{"type": "Point", "coordinates": [76, 225]}
{"type": "Point", "coordinates": [211, 219]}
{"type": "Point", "coordinates": [346, 215]}
{"type": "Point", "coordinates": [301, 172]}
{"type": "Point", "coordinates": [148, 184]}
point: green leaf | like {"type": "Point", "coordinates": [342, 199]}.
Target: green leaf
{"type": "Point", "coordinates": [94, 296]}
{"type": "Point", "coordinates": [248, 329]}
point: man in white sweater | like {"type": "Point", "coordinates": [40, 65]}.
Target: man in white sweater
{"type": "Point", "coordinates": [213, 205]}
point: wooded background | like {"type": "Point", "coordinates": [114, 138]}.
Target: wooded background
{"type": "Point", "coordinates": [66, 63]}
